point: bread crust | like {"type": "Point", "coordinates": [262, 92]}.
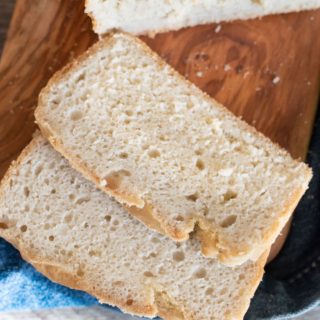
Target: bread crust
{"type": "Point", "coordinates": [220, 248]}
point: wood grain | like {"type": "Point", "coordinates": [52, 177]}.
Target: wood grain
{"type": "Point", "coordinates": [6, 9]}
{"type": "Point", "coordinates": [43, 36]}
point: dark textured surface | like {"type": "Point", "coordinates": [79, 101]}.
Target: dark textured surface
{"type": "Point", "coordinates": [6, 8]}
{"type": "Point", "coordinates": [292, 281]}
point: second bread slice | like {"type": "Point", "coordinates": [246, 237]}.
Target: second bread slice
{"type": "Point", "coordinates": [79, 237]}
{"type": "Point", "coordinates": [177, 158]}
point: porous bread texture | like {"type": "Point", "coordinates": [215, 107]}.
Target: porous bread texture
{"type": "Point", "coordinates": [153, 16]}
{"type": "Point", "coordinates": [78, 236]}
{"type": "Point", "coordinates": [178, 159]}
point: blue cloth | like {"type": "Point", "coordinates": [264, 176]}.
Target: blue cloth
{"type": "Point", "coordinates": [291, 284]}
{"type": "Point", "coordinates": [22, 287]}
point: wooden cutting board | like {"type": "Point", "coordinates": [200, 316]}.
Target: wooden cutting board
{"type": "Point", "coordinates": [265, 70]}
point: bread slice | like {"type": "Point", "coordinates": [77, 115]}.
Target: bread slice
{"type": "Point", "coordinates": [78, 236]}
{"type": "Point", "coordinates": [149, 17]}
{"type": "Point", "coordinates": [158, 144]}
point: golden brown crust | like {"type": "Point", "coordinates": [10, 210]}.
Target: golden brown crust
{"type": "Point", "coordinates": [226, 253]}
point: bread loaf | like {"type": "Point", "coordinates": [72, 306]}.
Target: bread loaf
{"type": "Point", "coordinates": [79, 237]}
{"type": "Point", "coordinates": [179, 160]}
{"type": "Point", "coordinates": [153, 16]}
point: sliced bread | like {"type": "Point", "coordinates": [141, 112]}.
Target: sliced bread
{"type": "Point", "coordinates": [178, 159]}
{"type": "Point", "coordinates": [78, 236]}
{"type": "Point", "coordinates": [153, 16]}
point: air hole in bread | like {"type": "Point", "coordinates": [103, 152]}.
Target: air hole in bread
{"type": "Point", "coordinates": [129, 113]}
{"type": "Point", "coordinates": [51, 238]}
{"type": "Point", "coordinates": [26, 192]}
{"type": "Point", "coordinates": [229, 221]}
{"type": "Point", "coordinates": [129, 302]}
{"type": "Point", "coordinates": [80, 77]}
{"type": "Point", "coordinates": [153, 254]}
{"type": "Point", "coordinates": [107, 218]}
{"type": "Point", "coordinates": [53, 191]}
{"type": "Point", "coordinates": [162, 270]}
{"type": "Point", "coordinates": [154, 153]}
{"type": "Point", "coordinates": [155, 240]}
{"type": "Point", "coordinates": [223, 291]}
{"type": "Point", "coordinates": [127, 121]}
{"type": "Point", "coordinates": [209, 120]}
{"type": "Point", "coordinates": [198, 152]}
{"type": "Point", "coordinates": [3, 225]}
{"type": "Point", "coordinates": [123, 155]}
{"type": "Point", "coordinates": [76, 115]}
{"type": "Point", "coordinates": [83, 199]}
{"type": "Point", "coordinates": [229, 195]}
{"type": "Point", "coordinates": [55, 102]}
{"type": "Point", "coordinates": [115, 222]}
{"type": "Point", "coordinates": [23, 228]}
{"type": "Point", "coordinates": [178, 256]}
{"type": "Point", "coordinates": [52, 165]}
{"type": "Point", "coordinates": [179, 218]}
{"type": "Point", "coordinates": [148, 274]}
{"type": "Point", "coordinates": [227, 313]}
{"type": "Point", "coordinates": [38, 170]}
{"type": "Point", "coordinates": [200, 164]}
{"type": "Point", "coordinates": [209, 292]}
{"type": "Point", "coordinates": [71, 197]}
{"type": "Point", "coordinates": [80, 273]}
{"type": "Point", "coordinates": [193, 197]}
{"type": "Point", "coordinates": [68, 218]}
{"type": "Point", "coordinates": [86, 225]}
{"type": "Point", "coordinates": [241, 276]}
{"type": "Point", "coordinates": [93, 253]}
{"type": "Point", "coordinates": [200, 273]}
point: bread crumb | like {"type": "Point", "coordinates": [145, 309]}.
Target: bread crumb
{"type": "Point", "coordinates": [103, 183]}
{"type": "Point", "coordinates": [276, 80]}
{"type": "Point", "coordinates": [218, 28]}
{"type": "Point", "coordinates": [246, 74]}
{"type": "Point", "coordinates": [199, 74]}
{"type": "Point", "coordinates": [227, 67]}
